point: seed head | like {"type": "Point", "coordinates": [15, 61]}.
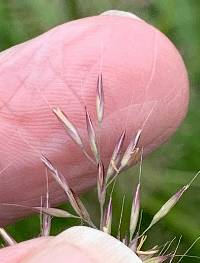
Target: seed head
{"type": "Point", "coordinates": [164, 210]}
{"type": "Point", "coordinates": [55, 212]}
{"type": "Point", "coordinates": [69, 126]}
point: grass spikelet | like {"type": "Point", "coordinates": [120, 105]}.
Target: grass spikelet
{"type": "Point", "coordinates": [166, 247]}
{"type": "Point", "coordinates": [174, 254]}
{"type": "Point", "coordinates": [75, 202]}
{"type": "Point", "coordinates": [72, 131]}
{"type": "Point", "coordinates": [55, 212]}
{"type": "Point", "coordinates": [100, 99]}
{"type": "Point", "coordinates": [7, 238]}
{"type": "Point", "coordinates": [135, 157]}
{"type": "Point", "coordinates": [112, 168]}
{"type": "Point", "coordinates": [130, 152]}
{"type": "Point", "coordinates": [135, 211]}
{"type": "Point", "coordinates": [92, 136]}
{"type": "Point", "coordinates": [69, 126]}
{"type": "Point", "coordinates": [101, 189]}
{"type": "Point", "coordinates": [166, 208]}
{"type": "Point", "coordinates": [82, 211]}
{"type": "Point", "coordinates": [107, 224]}
{"type": "Point", "coordinates": [101, 183]}
{"type": "Point", "coordinates": [168, 205]}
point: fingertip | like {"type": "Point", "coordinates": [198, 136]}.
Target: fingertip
{"type": "Point", "coordinates": [85, 245]}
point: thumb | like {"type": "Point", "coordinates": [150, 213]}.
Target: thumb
{"type": "Point", "coordinates": [145, 85]}
{"type": "Point", "coordinates": [77, 245]}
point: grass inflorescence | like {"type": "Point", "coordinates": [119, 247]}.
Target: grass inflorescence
{"type": "Point", "coordinates": [106, 178]}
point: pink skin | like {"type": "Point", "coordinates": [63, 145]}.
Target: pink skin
{"type": "Point", "coordinates": [145, 84]}
{"type": "Point", "coordinates": [62, 253]}
{"type": "Point", "coordinates": [14, 254]}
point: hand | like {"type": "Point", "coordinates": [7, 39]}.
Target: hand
{"type": "Point", "coordinates": [77, 244]}
{"type": "Point", "coordinates": [145, 85]}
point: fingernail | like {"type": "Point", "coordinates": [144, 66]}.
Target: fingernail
{"type": "Point", "coordinates": [120, 13]}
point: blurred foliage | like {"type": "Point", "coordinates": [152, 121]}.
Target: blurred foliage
{"type": "Point", "coordinates": [172, 165]}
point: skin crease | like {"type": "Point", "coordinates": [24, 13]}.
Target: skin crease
{"type": "Point", "coordinates": [145, 85]}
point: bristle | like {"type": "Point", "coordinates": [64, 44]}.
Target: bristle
{"type": "Point", "coordinates": [182, 256]}
{"type": "Point", "coordinates": [120, 223]}
{"type": "Point", "coordinates": [158, 259]}
{"type": "Point", "coordinates": [166, 247]}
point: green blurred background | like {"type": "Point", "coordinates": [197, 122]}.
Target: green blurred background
{"type": "Point", "coordinates": [175, 163]}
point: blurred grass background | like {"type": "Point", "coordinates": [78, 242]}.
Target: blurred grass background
{"type": "Point", "coordinates": [175, 163]}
